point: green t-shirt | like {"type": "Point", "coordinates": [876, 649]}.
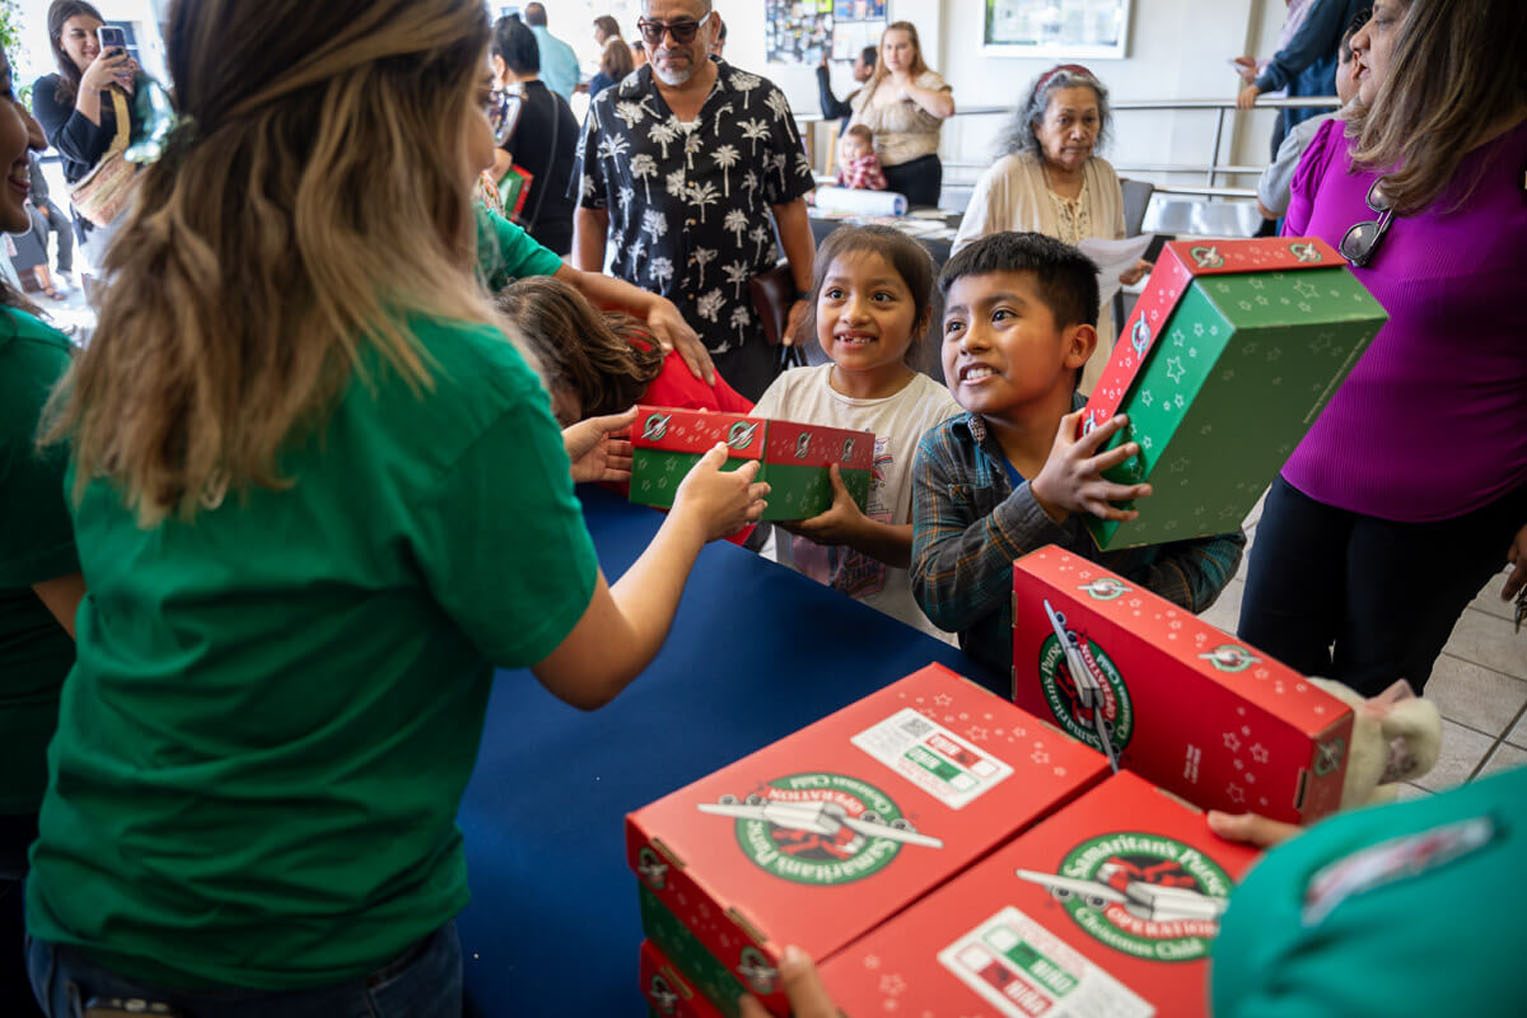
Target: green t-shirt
{"type": "Point", "coordinates": [505, 252]}
{"type": "Point", "coordinates": [278, 704]}
{"type": "Point", "coordinates": [36, 544]}
{"type": "Point", "coordinates": [1407, 909]}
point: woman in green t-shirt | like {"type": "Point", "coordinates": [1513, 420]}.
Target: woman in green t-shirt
{"type": "Point", "coordinates": [317, 496]}
{"type": "Point", "coordinates": [40, 585]}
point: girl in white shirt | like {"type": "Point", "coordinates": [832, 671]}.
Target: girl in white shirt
{"type": "Point", "coordinates": [872, 306]}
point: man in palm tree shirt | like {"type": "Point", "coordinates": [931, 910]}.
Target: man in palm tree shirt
{"type": "Point", "coordinates": [680, 169]}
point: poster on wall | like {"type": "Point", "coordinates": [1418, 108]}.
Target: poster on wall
{"type": "Point", "coordinates": [797, 31]}
{"type": "Point", "coordinates": [857, 24]}
{"type": "Point", "coordinates": [1097, 29]}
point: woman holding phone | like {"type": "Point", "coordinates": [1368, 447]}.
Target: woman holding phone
{"type": "Point", "coordinates": [79, 107]}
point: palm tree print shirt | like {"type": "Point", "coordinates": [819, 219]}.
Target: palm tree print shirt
{"type": "Point", "coordinates": [689, 204]}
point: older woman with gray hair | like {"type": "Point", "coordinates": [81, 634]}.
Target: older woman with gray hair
{"type": "Point", "coordinates": [1049, 181]}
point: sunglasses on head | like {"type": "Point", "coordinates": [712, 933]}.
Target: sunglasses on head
{"type": "Point", "coordinates": [683, 31]}
{"type": "Point", "coordinates": [1362, 240]}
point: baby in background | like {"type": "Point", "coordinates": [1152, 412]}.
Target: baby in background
{"type": "Point", "coordinates": [858, 166]}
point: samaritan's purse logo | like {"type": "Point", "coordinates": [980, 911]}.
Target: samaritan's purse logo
{"type": "Point", "coordinates": [655, 427]}
{"type": "Point", "coordinates": [1230, 657]}
{"type": "Point", "coordinates": [741, 434]}
{"type": "Point", "coordinates": [1147, 895]}
{"type": "Point", "coordinates": [1063, 692]}
{"type": "Point", "coordinates": [819, 828]}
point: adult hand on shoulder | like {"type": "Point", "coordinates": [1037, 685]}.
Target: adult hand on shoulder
{"type": "Point", "coordinates": [1072, 478]}
{"type": "Point", "coordinates": [1517, 556]}
{"type": "Point", "coordinates": [840, 523]}
{"type": "Point", "coordinates": [803, 988]}
{"type": "Point", "coordinates": [1251, 829]}
{"type": "Point", "coordinates": [600, 447]}
{"type": "Point", "coordinates": [672, 332]}
{"type": "Point", "coordinates": [718, 502]}
{"type": "Point", "coordinates": [1247, 97]}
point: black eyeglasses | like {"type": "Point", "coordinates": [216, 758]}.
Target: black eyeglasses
{"type": "Point", "coordinates": [1362, 240]}
{"type": "Point", "coordinates": [683, 32]}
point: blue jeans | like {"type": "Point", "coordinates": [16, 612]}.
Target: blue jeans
{"type": "Point", "coordinates": [425, 982]}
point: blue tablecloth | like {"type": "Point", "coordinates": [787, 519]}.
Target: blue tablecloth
{"type": "Point", "coordinates": [756, 653]}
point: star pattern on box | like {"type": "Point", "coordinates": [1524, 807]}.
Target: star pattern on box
{"type": "Point", "coordinates": [977, 733]}
{"type": "Point", "coordinates": [1175, 369]}
{"type": "Point", "coordinates": [1259, 753]}
{"type": "Point", "coordinates": [942, 700]}
{"type": "Point", "coordinates": [892, 984]}
{"type": "Point", "coordinates": [1236, 793]}
{"type": "Point", "coordinates": [1232, 742]}
{"type": "Point", "coordinates": [872, 961]}
{"type": "Point", "coordinates": [1306, 289]}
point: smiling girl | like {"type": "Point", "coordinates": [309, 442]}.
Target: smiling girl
{"type": "Point", "coordinates": [873, 295]}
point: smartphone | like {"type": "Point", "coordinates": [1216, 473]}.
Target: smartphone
{"type": "Point", "coordinates": [113, 40]}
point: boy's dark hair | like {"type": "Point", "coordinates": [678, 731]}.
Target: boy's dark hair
{"type": "Point", "coordinates": [870, 55]}
{"type": "Point", "coordinates": [860, 131]}
{"type": "Point", "coordinates": [909, 259]}
{"type": "Point", "coordinates": [1068, 279]}
{"type": "Point", "coordinates": [515, 44]}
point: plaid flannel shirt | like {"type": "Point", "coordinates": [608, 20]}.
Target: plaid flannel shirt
{"type": "Point", "coordinates": [970, 524]}
{"type": "Point", "coordinates": [863, 174]}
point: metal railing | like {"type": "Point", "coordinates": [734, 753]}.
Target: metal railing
{"type": "Point", "coordinates": [1212, 171]}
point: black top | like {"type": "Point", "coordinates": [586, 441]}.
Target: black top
{"type": "Point", "coordinates": [548, 211]}
{"type": "Point", "coordinates": [834, 108]}
{"type": "Point", "coordinates": [80, 143]}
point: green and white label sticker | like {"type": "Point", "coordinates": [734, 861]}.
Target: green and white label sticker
{"type": "Point", "coordinates": [951, 769]}
{"type": "Point", "coordinates": [1022, 969]}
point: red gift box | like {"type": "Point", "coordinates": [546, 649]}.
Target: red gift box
{"type": "Point", "coordinates": [818, 838]}
{"type": "Point", "coordinates": [1110, 907]}
{"type": "Point", "coordinates": [1184, 704]}
{"type": "Point", "coordinates": [668, 993]}
{"type": "Point", "coordinates": [666, 443]}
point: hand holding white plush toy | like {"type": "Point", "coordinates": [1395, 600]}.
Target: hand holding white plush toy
{"type": "Point", "coordinates": [1396, 736]}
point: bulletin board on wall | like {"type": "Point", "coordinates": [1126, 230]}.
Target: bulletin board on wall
{"type": "Point", "coordinates": [857, 24]}
{"type": "Point", "coordinates": [1095, 29]}
{"type": "Point", "coordinates": [804, 31]}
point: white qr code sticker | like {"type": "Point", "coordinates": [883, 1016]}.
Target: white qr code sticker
{"type": "Point", "coordinates": [941, 763]}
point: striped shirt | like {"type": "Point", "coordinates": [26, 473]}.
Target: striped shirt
{"type": "Point", "coordinates": [970, 523]}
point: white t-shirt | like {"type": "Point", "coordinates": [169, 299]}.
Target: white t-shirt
{"type": "Point", "coordinates": [899, 423]}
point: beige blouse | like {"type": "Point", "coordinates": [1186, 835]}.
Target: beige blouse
{"type": "Point", "coordinates": [904, 131]}
{"type": "Point", "coordinates": [1014, 195]}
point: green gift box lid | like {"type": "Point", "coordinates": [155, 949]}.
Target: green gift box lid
{"type": "Point", "coordinates": [1227, 360]}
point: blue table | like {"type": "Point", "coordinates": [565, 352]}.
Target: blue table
{"type": "Point", "coordinates": [757, 652]}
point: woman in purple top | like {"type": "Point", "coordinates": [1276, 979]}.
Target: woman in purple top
{"type": "Point", "coordinates": [1410, 491]}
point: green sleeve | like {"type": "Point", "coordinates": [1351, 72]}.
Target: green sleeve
{"type": "Point", "coordinates": [36, 534]}
{"type": "Point", "coordinates": [502, 541]}
{"type": "Point", "coordinates": [505, 252]}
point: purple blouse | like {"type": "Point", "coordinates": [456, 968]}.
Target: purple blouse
{"type": "Point", "coordinates": [1432, 422]}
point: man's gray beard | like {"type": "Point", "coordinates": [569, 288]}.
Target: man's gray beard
{"type": "Point", "coordinates": [673, 79]}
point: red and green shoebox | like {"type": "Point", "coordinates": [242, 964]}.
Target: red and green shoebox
{"type": "Point", "coordinates": [666, 443]}
{"type": "Point", "coordinates": [1110, 907]}
{"type": "Point", "coordinates": [1224, 364]}
{"type": "Point", "coordinates": [668, 993]}
{"type": "Point", "coordinates": [1185, 705]}
{"type": "Point", "coordinates": [819, 838]}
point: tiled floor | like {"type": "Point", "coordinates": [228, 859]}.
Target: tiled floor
{"type": "Point", "coordinates": [1479, 684]}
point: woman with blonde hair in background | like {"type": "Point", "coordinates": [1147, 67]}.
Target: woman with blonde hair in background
{"type": "Point", "coordinates": [906, 104]}
{"type": "Point", "coordinates": [317, 496]}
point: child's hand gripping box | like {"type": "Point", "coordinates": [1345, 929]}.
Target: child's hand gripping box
{"type": "Point", "coordinates": [1227, 360]}
{"type": "Point", "coordinates": [815, 840]}
{"type": "Point", "coordinates": [1180, 702]}
{"type": "Point", "coordinates": [1110, 907]}
{"type": "Point", "coordinates": [666, 443]}
{"type": "Point", "coordinates": [668, 993]}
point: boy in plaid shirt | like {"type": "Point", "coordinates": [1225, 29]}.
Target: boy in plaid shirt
{"type": "Point", "coordinates": [858, 166]}
{"type": "Point", "coordinates": [1010, 475]}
